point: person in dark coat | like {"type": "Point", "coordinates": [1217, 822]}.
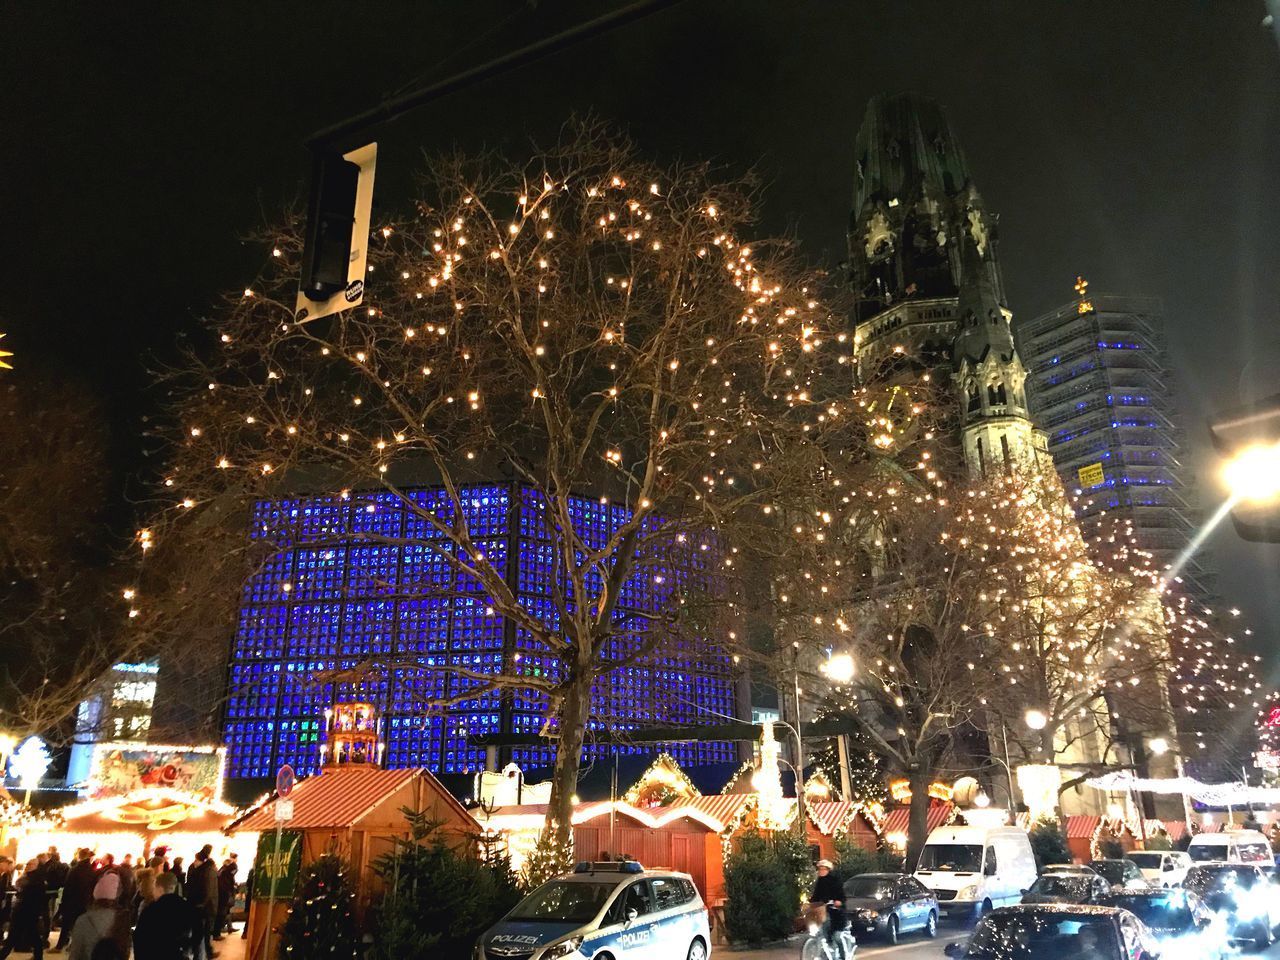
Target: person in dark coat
{"type": "Point", "coordinates": [169, 929]}
{"type": "Point", "coordinates": [6, 889]}
{"type": "Point", "coordinates": [178, 871]}
{"type": "Point", "coordinates": [77, 892]}
{"type": "Point", "coordinates": [28, 928]}
{"type": "Point", "coordinates": [226, 895]}
{"type": "Point", "coordinates": [202, 893]}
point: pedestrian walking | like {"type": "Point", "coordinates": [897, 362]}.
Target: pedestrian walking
{"type": "Point", "coordinates": [202, 893]}
{"type": "Point", "coordinates": [102, 932]}
{"type": "Point", "coordinates": [77, 893]}
{"type": "Point", "coordinates": [29, 927]}
{"type": "Point", "coordinates": [169, 929]}
{"type": "Point", "coordinates": [226, 895]}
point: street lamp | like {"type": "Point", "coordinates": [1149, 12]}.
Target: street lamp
{"type": "Point", "coordinates": [1159, 746]}
{"type": "Point", "coordinates": [1036, 719]}
{"type": "Point", "coordinates": [840, 668]}
{"type": "Point", "coordinates": [1253, 474]}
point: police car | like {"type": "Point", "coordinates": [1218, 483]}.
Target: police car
{"type": "Point", "coordinates": [604, 910]}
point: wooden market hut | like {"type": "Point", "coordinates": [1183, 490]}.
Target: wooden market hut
{"type": "Point", "coordinates": [356, 810]}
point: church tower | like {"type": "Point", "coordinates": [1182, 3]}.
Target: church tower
{"type": "Point", "coordinates": [926, 279]}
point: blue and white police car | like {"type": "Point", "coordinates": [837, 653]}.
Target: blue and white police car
{"type": "Point", "coordinates": [604, 911]}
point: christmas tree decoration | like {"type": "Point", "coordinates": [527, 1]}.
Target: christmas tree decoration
{"type": "Point", "coordinates": [321, 921]}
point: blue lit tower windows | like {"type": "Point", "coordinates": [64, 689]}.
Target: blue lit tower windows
{"type": "Point", "coordinates": [354, 582]}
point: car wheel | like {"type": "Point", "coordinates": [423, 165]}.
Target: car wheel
{"type": "Point", "coordinates": [697, 950]}
{"type": "Point", "coordinates": [891, 931]}
{"type": "Point", "coordinates": [931, 926]}
{"type": "Point", "coordinates": [1265, 937]}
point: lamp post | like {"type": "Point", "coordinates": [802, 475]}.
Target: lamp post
{"type": "Point", "coordinates": [1253, 474]}
{"type": "Point", "coordinates": [840, 669]}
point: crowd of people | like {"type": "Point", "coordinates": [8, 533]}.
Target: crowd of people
{"type": "Point", "coordinates": [154, 909]}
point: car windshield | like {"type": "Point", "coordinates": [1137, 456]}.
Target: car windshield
{"type": "Point", "coordinates": [952, 857]}
{"type": "Point", "coordinates": [1207, 851]}
{"type": "Point", "coordinates": [563, 901]}
{"type": "Point", "coordinates": [1146, 861]}
{"type": "Point", "coordinates": [1166, 911]}
{"type": "Point", "coordinates": [1063, 885]}
{"type": "Point", "coordinates": [1113, 870]}
{"type": "Point", "coordinates": [1043, 936]}
{"type": "Point", "coordinates": [870, 888]}
{"type": "Point", "coordinates": [1219, 879]}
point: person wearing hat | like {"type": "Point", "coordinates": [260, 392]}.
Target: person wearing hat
{"type": "Point", "coordinates": [103, 930]}
{"type": "Point", "coordinates": [828, 892]}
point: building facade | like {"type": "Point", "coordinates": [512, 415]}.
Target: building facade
{"type": "Point", "coordinates": [929, 296]}
{"type": "Point", "coordinates": [1101, 387]}
{"type": "Point", "coordinates": [331, 598]}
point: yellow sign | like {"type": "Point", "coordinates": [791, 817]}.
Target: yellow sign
{"type": "Point", "coordinates": [1091, 475]}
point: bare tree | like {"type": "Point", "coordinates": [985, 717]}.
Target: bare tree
{"type": "Point", "coordinates": [586, 323]}
{"type": "Point", "coordinates": [52, 552]}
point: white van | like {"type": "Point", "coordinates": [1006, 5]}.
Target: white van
{"type": "Point", "coordinates": [1233, 846]}
{"type": "Point", "coordinates": [973, 869]}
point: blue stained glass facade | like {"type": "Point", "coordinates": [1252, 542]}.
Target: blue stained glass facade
{"type": "Point", "coordinates": [331, 597]}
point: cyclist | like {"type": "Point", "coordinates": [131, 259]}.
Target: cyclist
{"type": "Point", "coordinates": [827, 891]}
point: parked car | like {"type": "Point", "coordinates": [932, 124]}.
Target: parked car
{"type": "Point", "coordinates": [1057, 932]}
{"type": "Point", "coordinates": [1066, 888]}
{"type": "Point", "coordinates": [1069, 869]}
{"type": "Point", "coordinates": [1240, 893]}
{"type": "Point", "coordinates": [1181, 922]}
{"type": "Point", "coordinates": [972, 869]}
{"type": "Point", "coordinates": [1121, 874]}
{"type": "Point", "coordinates": [888, 905]}
{"type": "Point", "coordinates": [618, 909]}
{"type": "Point", "coordinates": [1161, 868]}
{"type": "Point", "coordinates": [1232, 846]}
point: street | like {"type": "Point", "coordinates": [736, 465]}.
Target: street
{"type": "Point", "coordinates": [913, 948]}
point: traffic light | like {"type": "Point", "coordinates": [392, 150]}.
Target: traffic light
{"type": "Point", "coordinates": [1248, 437]}
{"type": "Point", "coordinates": [336, 242]}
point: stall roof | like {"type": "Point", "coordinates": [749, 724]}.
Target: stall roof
{"type": "Point", "coordinates": [338, 798]}
{"type": "Point", "coordinates": [897, 819]}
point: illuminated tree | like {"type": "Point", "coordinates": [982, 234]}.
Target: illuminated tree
{"type": "Point", "coordinates": [584, 323]}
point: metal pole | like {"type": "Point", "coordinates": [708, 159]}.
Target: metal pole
{"type": "Point", "coordinates": [271, 899]}
{"type": "Point", "coordinates": [390, 109]}
{"type": "Point", "coordinates": [1008, 769]}
{"type": "Point", "coordinates": [846, 781]}
{"type": "Point", "coordinates": [800, 804]}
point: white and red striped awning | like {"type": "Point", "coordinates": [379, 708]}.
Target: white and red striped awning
{"type": "Point", "coordinates": [898, 819]}
{"type": "Point", "coordinates": [725, 808]}
{"type": "Point", "coordinates": [830, 816]}
{"type": "Point", "coordinates": [337, 798]}
{"type": "Point", "coordinates": [1080, 827]}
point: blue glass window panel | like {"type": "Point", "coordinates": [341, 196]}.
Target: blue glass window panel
{"type": "Point", "coordinates": [319, 573]}
{"type": "Point", "coordinates": [298, 744]}
{"type": "Point", "coordinates": [373, 570]}
{"type": "Point", "coordinates": [379, 514]}
{"type": "Point", "coordinates": [314, 629]}
{"type": "Point", "coordinates": [302, 695]}
{"type": "Point", "coordinates": [369, 628]}
{"type": "Point", "coordinates": [261, 633]}
{"type": "Point", "coordinates": [495, 553]}
{"type": "Point", "coordinates": [536, 567]}
{"type": "Point", "coordinates": [250, 748]}
{"type": "Point", "coordinates": [434, 502]}
{"type": "Point", "coordinates": [426, 571]}
{"type": "Point", "coordinates": [323, 519]}
{"type": "Point", "coordinates": [424, 625]}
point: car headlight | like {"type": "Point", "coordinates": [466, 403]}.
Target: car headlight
{"type": "Point", "coordinates": [968, 893]}
{"type": "Point", "coordinates": [565, 948]}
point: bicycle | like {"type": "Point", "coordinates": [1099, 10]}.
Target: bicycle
{"type": "Point", "coordinates": [816, 946]}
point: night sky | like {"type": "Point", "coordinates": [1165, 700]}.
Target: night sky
{"type": "Point", "coordinates": [1137, 143]}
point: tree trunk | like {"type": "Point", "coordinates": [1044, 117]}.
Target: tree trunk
{"type": "Point", "coordinates": [575, 708]}
{"type": "Point", "coordinates": [918, 816]}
